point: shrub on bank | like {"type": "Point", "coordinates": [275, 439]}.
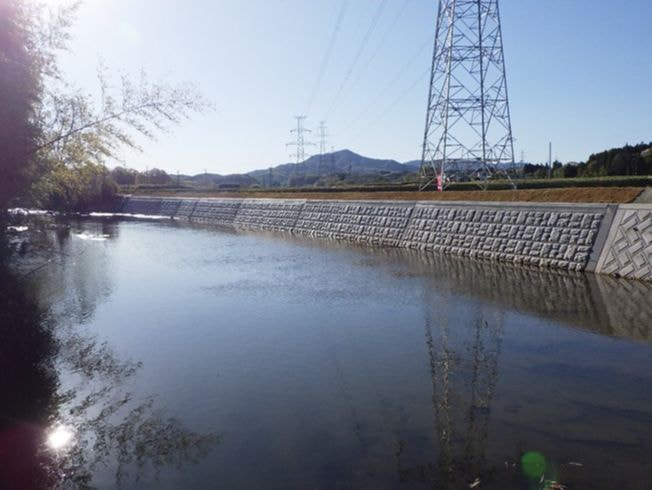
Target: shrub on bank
{"type": "Point", "coordinates": [79, 188]}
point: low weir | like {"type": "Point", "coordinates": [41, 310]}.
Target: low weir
{"type": "Point", "coordinates": [602, 238]}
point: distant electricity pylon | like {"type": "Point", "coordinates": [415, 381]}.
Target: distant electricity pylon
{"type": "Point", "coordinates": [468, 132]}
{"type": "Point", "coordinates": [300, 142]}
{"type": "Point", "coordinates": [322, 145]}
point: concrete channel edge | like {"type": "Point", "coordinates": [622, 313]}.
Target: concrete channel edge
{"type": "Point", "coordinates": [607, 239]}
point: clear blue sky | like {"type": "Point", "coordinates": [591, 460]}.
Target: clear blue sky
{"type": "Point", "coordinates": [579, 74]}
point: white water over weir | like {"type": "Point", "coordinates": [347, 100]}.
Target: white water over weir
{"type": "Point", "coordinates": [602, 238]}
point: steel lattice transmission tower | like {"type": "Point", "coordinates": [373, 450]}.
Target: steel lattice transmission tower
{"type": "Point", "coordinates": [300, 142]}
{"type": "Point", "coordinates": [322, 146]}
{"type": "Point", "coordinates": [468, 129]}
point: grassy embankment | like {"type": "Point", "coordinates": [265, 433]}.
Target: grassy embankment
{"type": "Point", "coordinates": [593, 190]}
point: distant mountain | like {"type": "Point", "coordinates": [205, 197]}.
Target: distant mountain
{"type": "Point", "coordinates": [344, 166]}
{"type": "Point", "coordinates": [327, 169]}
{"type": "Point", "coordinates": [339, 161]}
{"type": "Point", "coordinates": [413, 164]}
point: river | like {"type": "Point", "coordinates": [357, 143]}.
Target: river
{"type": "Point", "coordinates": [157, 355]}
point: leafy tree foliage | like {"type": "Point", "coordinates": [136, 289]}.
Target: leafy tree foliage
{"type": "Point", "coordinates": [156, 176]}
{"type": "Point", "coordinates": [628, 160]}
{"type": "Point", "coordinates": [20, 86]}
{"type": "Point", "coordinates": [81, 188]}
{"type": "Point", "coordinates": [56, 136]}
{"type": "Point", "coordinates": [124, 176]}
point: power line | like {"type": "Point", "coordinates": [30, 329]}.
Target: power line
{"type": "Point", "coordinates": [384, 38]}
{"type": "Point", "coordinates": [327, 54]}
{"type": "Point", "coordinates": [356, 58]}
{"type": "Point", "coordinates": [390, 107]}
{"type": "Point", "coordinates": [390, 85]}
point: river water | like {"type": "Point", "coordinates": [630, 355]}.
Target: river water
{"type": "Point", "coordinates": [156, 355]}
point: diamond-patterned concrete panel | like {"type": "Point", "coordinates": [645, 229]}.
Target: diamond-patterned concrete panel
{"type": "Point", "coordinates": [629, 251]}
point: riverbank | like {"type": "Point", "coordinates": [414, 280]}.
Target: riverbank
{"type": "Point", "coordinates": [603, 238]}
{"type": "Point", "coordinates": [607, 195]}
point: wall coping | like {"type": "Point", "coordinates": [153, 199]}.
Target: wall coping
{"type": "Point", "coordinates": [383, 202]}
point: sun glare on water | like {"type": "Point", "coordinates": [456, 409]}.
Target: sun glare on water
{"type": "Point", "coordinates": [59, 438]}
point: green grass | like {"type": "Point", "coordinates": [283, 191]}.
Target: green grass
{"type": "Point", "coordinates": [614, 181]}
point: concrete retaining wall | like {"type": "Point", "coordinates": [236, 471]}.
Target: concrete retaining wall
{"type": "Point", "coordinates": [628, 248]}
{"type": "Point", "coordinates": [559, 236]}
{"type": "Point", "coordinates": [216, 212]}
{"type": "Point", "coordinates": [268, 214]}
{"type": "Point", "coordinates": [377, 223]}
{"type": "Point", "coordinates": [603, 238]}
{"type": "Point", "coordinates": [186, 208]}
{"type": "Point", "coordinates": [142, 205]}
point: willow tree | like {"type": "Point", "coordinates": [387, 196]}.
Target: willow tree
{"type": "Point", "coordinates": [61, 137]}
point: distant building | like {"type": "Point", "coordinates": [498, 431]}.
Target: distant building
{"type": "Point", "coordinates": [646, 153]}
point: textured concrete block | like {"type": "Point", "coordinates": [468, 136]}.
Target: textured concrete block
{"type": "Point", "coordinates": [150, 206]}
{"type": "Point", "coordinates": [186, 208]}
{"type": "Point", "coordinates": [380, 222]}
{"type": "Point", "coordinates": [515, 233]}
{"type": "Point", "coordinates": [268, 214]}
{"type": "Point", "coordinates": [169, 207]}
{"type": "Point", "coordinates": [220, 212]}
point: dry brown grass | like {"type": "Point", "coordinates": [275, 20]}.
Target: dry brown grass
{"type": "Point", "coordinates": [615, 195]}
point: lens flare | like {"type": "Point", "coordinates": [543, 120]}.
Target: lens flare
{"type": "Point", "coordinates": [59, 438]}
{"type": "Point", "coordinates": [534, 464]}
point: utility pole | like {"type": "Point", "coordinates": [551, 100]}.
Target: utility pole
{"type": "Point", "coordinates": [300, 142]}
{"type": "Point", "coordinates": [322, 145]}
{"type": "Point", "coordinates": [550, 159]}
{"type": "Point", "coordinates": [468, 128]}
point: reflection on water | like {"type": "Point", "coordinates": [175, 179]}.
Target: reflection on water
{"type": "Point", "coordinates": [602, 304]}
{"type": "Point", "coordinates": [156, 355]}
{"type": "Point", "coordinates": [55, 433]}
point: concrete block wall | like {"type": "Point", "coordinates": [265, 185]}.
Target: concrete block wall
{"type": "Point", "coordinates": [555, 236]}
{"type": "Point", "coordinates": [169, 207]}
{"type": "Point", "coordinates": [268, 214]}
{"type": "Point", "coordinates": [186, 209]}
{"type": "Point", "coordinates": [216, 211]}
{"type": "Point", "coordinates": [150, 206]}
{"type": "Point", "coordinates": [608, 239]}
{"type": "Point", "coordinates": [380, 224]}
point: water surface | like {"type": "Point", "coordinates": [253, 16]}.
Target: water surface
{"type": "Point", "coordinates": [186, 357]}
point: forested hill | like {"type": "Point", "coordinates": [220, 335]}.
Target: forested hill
{"type": "Point", "coordinates": [345, 167]}
{"type": "Point", "coordinates": [628, 160]}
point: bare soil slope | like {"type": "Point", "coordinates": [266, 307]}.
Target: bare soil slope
{"type": "Point", "coordinates": [615, 195]}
